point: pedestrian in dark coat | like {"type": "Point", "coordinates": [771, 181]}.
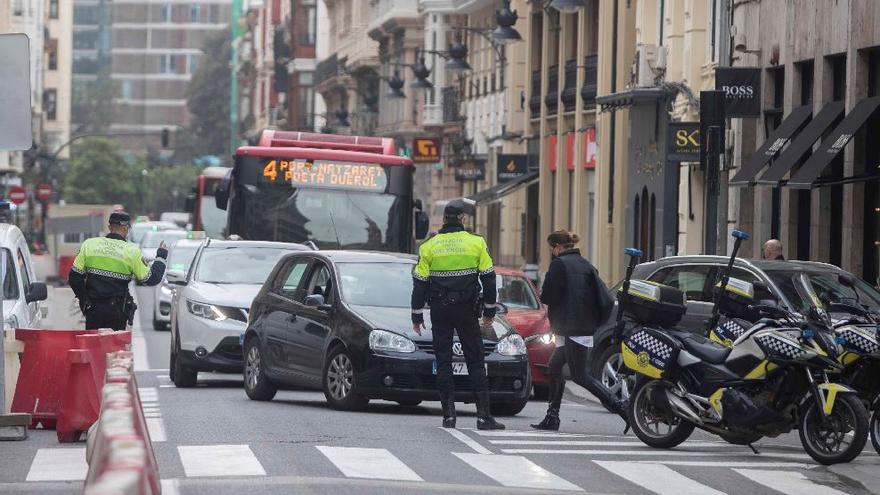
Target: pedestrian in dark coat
{"type": "Point", "coordinates": [578, 304]}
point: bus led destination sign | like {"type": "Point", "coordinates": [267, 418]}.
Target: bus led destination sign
{"type": "Point", "coordinates": [328, 175]}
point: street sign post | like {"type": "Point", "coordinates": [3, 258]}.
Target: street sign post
{"type": "Point", "coordinates": [17, 194]}
{"type": "Point", "coordinates": [44, 192]}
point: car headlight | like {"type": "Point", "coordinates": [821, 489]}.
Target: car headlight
{"type": "Point", "coordinates": [383, 340]}
{"type": "Point", "coordinates": [512, 345]}
{"type": "Point", "coordinates": [208, 311]}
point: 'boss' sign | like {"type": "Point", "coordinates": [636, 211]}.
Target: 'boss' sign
{"type": "Point", "coordinates": [742, 90]}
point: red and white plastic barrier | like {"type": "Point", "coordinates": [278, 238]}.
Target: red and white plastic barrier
{"type": "Point", "coordinates": [119, 451]}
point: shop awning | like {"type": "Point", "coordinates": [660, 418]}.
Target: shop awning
{"type": "Point", "coordinates": [496, 192]}
{"type": "Point", "coordinates": [803, 143]}
{"type": "Point", "coordinates": [834, 143]}
{"type": "Point", "coordinates": [777, 140]}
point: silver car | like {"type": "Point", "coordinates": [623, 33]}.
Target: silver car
{"type": "Point", "coordinates": [180, 257]}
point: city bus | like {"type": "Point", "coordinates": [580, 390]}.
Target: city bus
{"type": "Point", "coordinates": [333, 191]}
{"type": "Point", "coordinates": [203, 204]}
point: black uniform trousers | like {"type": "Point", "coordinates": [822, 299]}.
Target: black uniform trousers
{"type": "Point", "coordinates": [460, 318]}
{"type": "Point", "coordinates": [579, 362]}
{"type": "Point", "coordinates": [105, 314]}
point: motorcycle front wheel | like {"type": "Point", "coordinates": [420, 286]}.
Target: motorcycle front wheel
{"type": "Point", "coordinates": [655, 426]}
{"type": "Point", "coordinates": [841, 436]}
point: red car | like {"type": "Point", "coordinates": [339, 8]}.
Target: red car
{"type": "Point", "coordinates": [528, 316]}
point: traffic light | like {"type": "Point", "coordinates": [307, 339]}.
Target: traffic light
{"type": "Point", "coordinates": [166, 138]}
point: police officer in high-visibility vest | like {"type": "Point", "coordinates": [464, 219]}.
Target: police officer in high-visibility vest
{"type": "Point", "coordinates": [451, 267]}
{"type": "Point", "coordinates": [102, 271]}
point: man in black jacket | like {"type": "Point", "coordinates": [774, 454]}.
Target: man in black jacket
{"type": "Point", "coordinates": [578, 303]}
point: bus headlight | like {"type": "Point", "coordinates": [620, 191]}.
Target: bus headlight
{"type": "Point", "coordinates": [512, 345]}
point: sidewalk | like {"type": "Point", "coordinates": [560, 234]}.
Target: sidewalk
{"type": "Point", "coordinates": [63, 314]}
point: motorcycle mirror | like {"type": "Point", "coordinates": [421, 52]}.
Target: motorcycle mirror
{"type": "Point", "coordinates": [633, 252]}
{"type": "Point", "coordinates": [846, 279]}
{"type": "Point", "coordinates": [741, 235]}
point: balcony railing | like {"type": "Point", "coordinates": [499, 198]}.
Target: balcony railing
{"type": "Point", "coordinates": [588, 90]}
{"type": "Point", "coordinates": [535, 99]}
{"type": "Point", "coordinates": [552, 98]}
{"type": "Point", "coordinates": [569, 90]}
{"type": "Point", "coordinates": [451, 105]}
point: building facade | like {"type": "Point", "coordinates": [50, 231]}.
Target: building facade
{"type": "Point", "coordinates": [57, 77]}
{"type": "Point", "coordinates": [817, 190]}
{"type": "Point", "coordinates": [155, 50]}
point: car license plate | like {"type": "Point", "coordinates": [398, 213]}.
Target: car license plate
{"type": "Point", "coordinates": [458, 368]}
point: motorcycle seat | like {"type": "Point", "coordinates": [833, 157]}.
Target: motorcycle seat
{"type": "Point", "coordinates": [705, 349]}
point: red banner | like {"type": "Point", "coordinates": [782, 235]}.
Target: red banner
{"type": "Point", "coordinates": [569, 150]}
{"type": "Point", "coordinates": [590, 148]}
{"type": "Point", "coordinates": [551, 152]}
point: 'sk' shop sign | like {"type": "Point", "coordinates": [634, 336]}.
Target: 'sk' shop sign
{"type": "Point", "coordinates": [742, 90]}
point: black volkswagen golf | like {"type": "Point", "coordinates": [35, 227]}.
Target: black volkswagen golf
{"type": "Point", "coordinates": [340, 321]}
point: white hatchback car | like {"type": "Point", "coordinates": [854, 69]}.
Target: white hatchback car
{"type": "Point", "coordinates": [22, 294]}
{"type": "Point", "coordinates": [209, 309]}
{"type": "Point", "coordinates": [180, 257]}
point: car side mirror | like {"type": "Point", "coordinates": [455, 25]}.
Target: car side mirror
{"type": "Point", "coordinates": [501, 309]}
{"type": "Point", "coordinates": [422, 224]}
{"type": "Point", "coordinates": [37, 292]}
{"type": "Point", "coordinates": [317, 301]}
{"type": "Point", "coordinates": [176, 277]}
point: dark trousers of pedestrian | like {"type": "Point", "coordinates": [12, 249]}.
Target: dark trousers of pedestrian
{"type": "Point", "coordinates": [579, 364]}
{"type": "Point", "coordinates": [462, 319]}
{"type": "Point", "coordinates": [105, 315]}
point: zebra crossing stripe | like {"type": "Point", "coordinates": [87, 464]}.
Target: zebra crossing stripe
{"type": "Point", "coordinates": [377, 464]}
{"type": "Point", "coordinates": [515, 471]}
{"type": "Point", "coordinates": [788, 482]}
{"type": "Point", "coordinates": [657, 478]}
{"type": "Point", "coordinates": [219, 460]}
{"type": "Point", "coordinates": [58, 464]}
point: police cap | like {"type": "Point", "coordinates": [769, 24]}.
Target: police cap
{"type": "Point", "coordinates": [458, 207]}
{"type": "Point", "coordinates": [120, 218]}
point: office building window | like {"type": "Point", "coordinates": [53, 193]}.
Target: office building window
{"type": "Point", "coordinates": [805, 70]}
{"type": "Point", "coordinates": [52, 54]}
{"type": "Point", "coordinates": [53, 9]}
{"type": "Point", "coordinates": [50, 100]}
{"type": "Point", "coordinates": [126, 90]}
{"type": "Point", "coordinates": [18, 7]}
{"type": "Point", "coordinates": [167, 64]}
{"type": "Point", "coordinates": [307, 24]}
{"type": "Point", "coordinates": [193, 63]}
{"type": "Point", "coordinates": [166, 12]}
{"type": "Point", "coordinates": [715, 29]}
{"type": "Point", "coordinates": [194, 13]}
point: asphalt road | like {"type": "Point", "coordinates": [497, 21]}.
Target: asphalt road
{"type": "Point", "coordinates": [213, 440]}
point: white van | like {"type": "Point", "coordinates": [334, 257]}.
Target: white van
{"type": "Point", "coordinates": [22, 294]}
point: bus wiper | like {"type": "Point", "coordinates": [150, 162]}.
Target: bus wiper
{"type": "Point", "coordinates": [333, 224]}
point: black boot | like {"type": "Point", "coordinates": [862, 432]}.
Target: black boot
{"type": "Point", "coordinates": [485, 421]}
{"type": "Point", "coordinates": [447, 403]}
{"type": "Point", "coordinates": [550, 421]}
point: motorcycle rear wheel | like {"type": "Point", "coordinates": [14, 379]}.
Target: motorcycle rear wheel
{"type": "Point", "coordinates": [654, 427]}
{"type": "Point", "coordinates": [826, 442]}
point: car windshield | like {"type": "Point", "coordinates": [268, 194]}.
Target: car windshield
{"type": "Point", "coordinates": [152, 240]}
{"type": "Point", "coordinates": [376, 284]}
{"type": "Point", "coordinates": [181, 257]}
{"type": "Point", "coordinates": [829, 287]}
{"type": "Point", "coordinates": [515, 292]}
{"type": "Point", "coordinates": [237, 264]}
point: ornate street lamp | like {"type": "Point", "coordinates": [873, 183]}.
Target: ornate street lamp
{"type": "Point", "coordinates": [505, 18]}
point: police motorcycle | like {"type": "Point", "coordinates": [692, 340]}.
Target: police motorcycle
{"type": "Point", "coordinates": [771, 381]}
{"type": "Point", "coordinates": [856, 329]}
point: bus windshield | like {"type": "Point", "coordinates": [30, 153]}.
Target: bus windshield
{"type": "Point", "coordinates": [332, 219]}
{"type": "Point", "coordinates": [213, 218]}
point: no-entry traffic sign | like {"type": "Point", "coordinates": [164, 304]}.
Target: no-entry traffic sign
{"type": "Point", "coordinates": [17, 194]}
{"type": "Point", "coordinates": [44, 192]}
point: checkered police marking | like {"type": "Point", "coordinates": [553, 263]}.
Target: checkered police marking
{"type": "Point", "coordinates": [650, 349]}
{"type": "Point", "coordinates": [780, 346]}
{"type": "Point", "coordinates": [860, 340]}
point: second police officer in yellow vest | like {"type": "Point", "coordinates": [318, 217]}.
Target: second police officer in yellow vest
{"type": "Point", "coordinates": [452, 266]}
